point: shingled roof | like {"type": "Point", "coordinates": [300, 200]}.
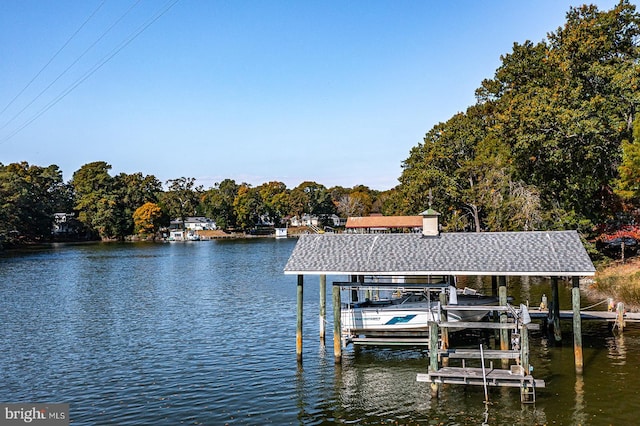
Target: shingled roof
{"type": "Point", "coordinates": [550, 253]}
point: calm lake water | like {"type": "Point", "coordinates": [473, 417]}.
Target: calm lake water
{"type": "Point", "coordinates": [204, 333]}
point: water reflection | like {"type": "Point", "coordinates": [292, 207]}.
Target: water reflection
{"type": "Point", "coordinates": [617, 349]}
{"type": "Point", "coordinates": [579, 415]}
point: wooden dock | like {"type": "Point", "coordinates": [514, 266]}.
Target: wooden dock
{"type": "Point", "coordinates": [473, 376]}
{"type": "Point", "coordinates": [515, 371]}
{"type": "Point", "coordinates": [610, 316]}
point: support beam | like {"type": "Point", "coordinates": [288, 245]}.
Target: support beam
{"type": "Point", "coordinates": [323, 307]}
{"type": "Point", "coordinates": [577, 325]}
{"type": "Point", "coordinates": [299, 317]}
{"type": "Point", "coordinates": [555, 298]}
{"type": "Point", "coordinates": [337, 327]}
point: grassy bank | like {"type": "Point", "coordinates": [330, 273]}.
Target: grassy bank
{"type": "Point", "coordinates": [621, 281]}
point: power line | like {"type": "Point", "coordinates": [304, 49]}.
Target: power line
{"type": "Point", "coordinates": [95, 68]}
{"type": "Point", "coordinates": [71, 65]}
{"type": "Point", "coordinates": [52, 58]}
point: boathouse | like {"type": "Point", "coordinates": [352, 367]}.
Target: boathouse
{"type": "Point", "coordinates": [379, 224]}
{"type": "Point", "coordinates": [555, 254]}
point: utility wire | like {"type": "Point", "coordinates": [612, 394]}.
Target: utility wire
{"type": "Point", "coordinates": [96, 67]}
{"type": "Point", "coordinates": [71, 65]}
{"type": "Point", "coordinates": [52, 58]}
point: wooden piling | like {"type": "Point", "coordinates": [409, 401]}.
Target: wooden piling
{"type": "Point", "coordinates": [433, 354]}
{"type": "Point", "coordinates": [502, 301]}
{"type": "Point", "coordinates": [443, 318]}
{"type": "Point", "coordinates": [337, 327]}
{"type": "Point", "coordinates": [299, 318]}
{"type": "Point", "coordinates": [620, 316]}
{"type": "Point", "coordinates": [557, 333]}
{"type": "Point", "coordinates": [577, 325]}
{"type": "Point", "coordinates": [524, 349]}
{"type": "Point", "coordinates": [323, 307]}
{"type": "Point", "coordinates": [504, 333]}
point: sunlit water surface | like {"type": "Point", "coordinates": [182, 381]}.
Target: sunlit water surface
{"type": "Point", "coordinates": [204, 333]}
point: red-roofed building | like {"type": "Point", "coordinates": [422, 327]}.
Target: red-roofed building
{"type": "Point", "coordinates": [377, 223]}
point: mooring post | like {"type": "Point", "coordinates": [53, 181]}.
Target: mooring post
{"type": "Point", "coordinates": [504, 333]}
{"type": "Point", "coordinates": [577, 324]}
{"type": "Point", "coordinates": [557, 333]}
{"type": "Point", "coordinates": [502, 300]}
{"type": "Point", "coordinates": [620, 316]}
{"type": "Point", "coordinates": [494, 285]}
{"type": "Point", "coordinates": [443, 318]}
{"type": "Point", "coordinates": [433, 354]}
{"type": "Point", "coordinates": [323, 307]}
{"type": "Point", "coordinates": [299, 317]}
{"type": "Point", "coordinates": [524, 349]}
{"type": "Point", "coordinates": [337, 327]}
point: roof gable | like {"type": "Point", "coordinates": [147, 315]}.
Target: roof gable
{"type": "Point", "coordinates": [551, 253]}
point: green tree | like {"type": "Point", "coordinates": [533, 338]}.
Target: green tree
{"type": "Point", "coordinates": [274, 196]}
{"type": "Point", "coordinates": [628, 183]}
{"type": "Point", "coordinates": [248, 206]}
{"type": "Point", "coordinates": [182, 198]}
{"type": "Point", "coordinates": [565, 106]}
{"type": "Point", "coordinates": [132, 191]}
{"type": "Point", "coordinates": [29, 196]}
{"type": "Point", "coordinates": [311, 197]}
{"type": "Point", "coordinates": [218, 203]}
{"type": "Point", "coordinates": [93, 186]}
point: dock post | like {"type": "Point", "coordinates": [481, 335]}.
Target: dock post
{"type": "Point", "coordinates": [323, 307]}
{"type": "Point", "coordinates": [433, 354]}
{"type": "Point", "coordinates": [443, 318]}
{"type": "Point", "coordinates": [504, 333]}
{"type": "Point", "coordinates": [557, 333]}
{"type": "Point", "coordinates": [577, 324]}
{"type": "Point", "coordinates": [337, 327]}
{"type": "Point", "coordinates": [620, 316]}
{"type": "Point", "coordinates": [502, 301]}
{"type": "Point", "coordinates": [524, 349]}
{"type": "Point", "coordinates": [299, 322]}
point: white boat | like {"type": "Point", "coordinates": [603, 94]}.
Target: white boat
{"type": "Point", "coordinates": [192, 236]}
{"type": "Point", "coordinates": [409, 311]}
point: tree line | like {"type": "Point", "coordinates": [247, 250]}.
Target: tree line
{"type": "Point", "coordinates": [114, 207]}
{"type": "Point", "coordinates": [552, 142]}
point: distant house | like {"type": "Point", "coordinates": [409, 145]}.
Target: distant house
{"type": "Point", "coordinates": [384, 224]}
{"type": "Point", "coordinates": [194, 223]}
{"type": "Point", "coordinates": [64, 224]}
{"type": "Point", "coordinates": [176, 235]}
{"type": "Point", "coordinates": [305, 220]}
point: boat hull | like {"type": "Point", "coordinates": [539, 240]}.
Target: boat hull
{"type": "Point", "coordinates": [360, 319]}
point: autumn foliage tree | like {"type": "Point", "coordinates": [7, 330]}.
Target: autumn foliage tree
{"type": "Point", "coordinates": [147, 218]}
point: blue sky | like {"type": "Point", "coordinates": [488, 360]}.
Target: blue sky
{"type": "Point", "coordinates": [336, 92]}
